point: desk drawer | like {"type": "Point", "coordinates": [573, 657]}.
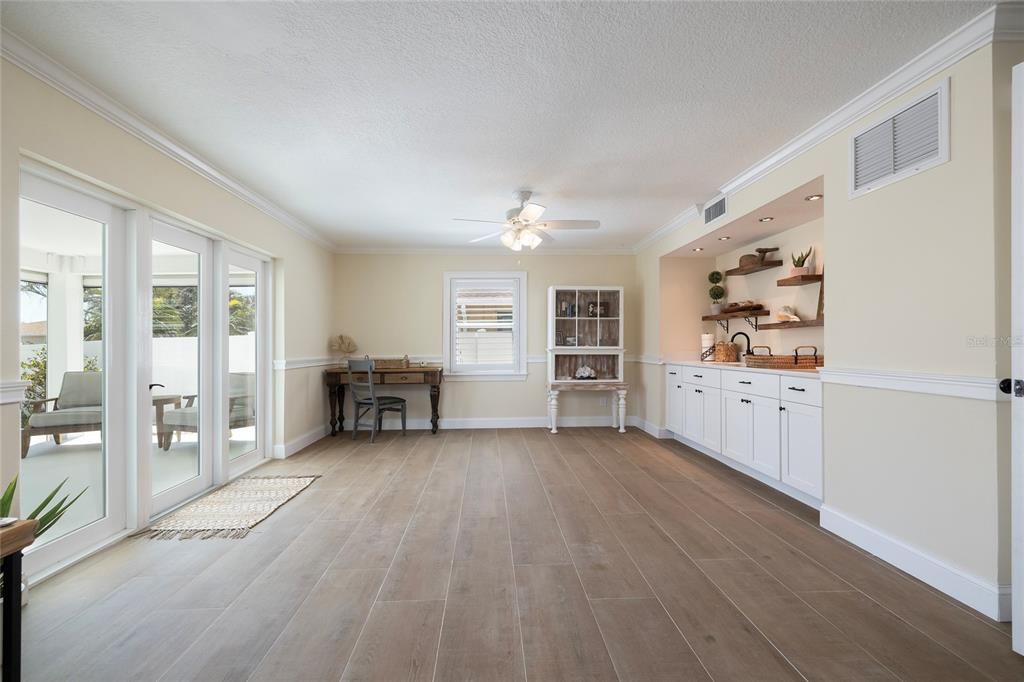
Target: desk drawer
{"type": "Point", "coordinates": [766, 385]}
{"type": "Point", "coordinates": [701, 376]}
{"type": "Point", "coordinates": [800, 390]}
{"type": "Point", "coordinates": [404, 378]}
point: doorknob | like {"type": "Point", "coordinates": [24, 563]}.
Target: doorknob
{"type": "Point", "coordinates": [1015, 386]}
{"type": "Point", "coordinates": [152, 385]}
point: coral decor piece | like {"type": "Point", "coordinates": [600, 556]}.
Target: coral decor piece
{"type": "Point", "coordinates": [343, 344]}
{"type": "Point", "coordinates": [585, 372]}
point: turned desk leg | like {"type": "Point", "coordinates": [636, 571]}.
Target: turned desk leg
{"type": "Point", "coordinates": [341, 407]}
{"type": "Point", "coordinates": [553, 409]}
{"type": "Point", "coordinates": [435, 398]}
{"type": "Point", "coordinates": [332, 402]}
{"type": "Point", "coordinates": [622, 410]}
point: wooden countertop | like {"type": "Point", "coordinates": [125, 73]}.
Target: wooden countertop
{"type": "Point", "coordinates": [17, 536]}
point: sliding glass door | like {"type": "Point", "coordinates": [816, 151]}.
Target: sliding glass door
{"type": "Point", "coordinates": [145, 346]}
{"type": "Point", "coordinates": [72, 347]}
{"type": "Point", "coordinates": [180, 386]}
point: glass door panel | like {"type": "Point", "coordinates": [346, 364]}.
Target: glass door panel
{"type": "Point", "coordinates": [62, 358]}
{"type": "Point", "coordinates": [180, 452]}
{"type": "Point", "coordinates": [242, 412]}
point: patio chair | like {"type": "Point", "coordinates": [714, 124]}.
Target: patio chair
{"type": "Point", "coordinates": [241, 409]}
{"type": "Point", "coordinates": [366, 401]}
{"type": "Point", "coordinates": [78, 408]}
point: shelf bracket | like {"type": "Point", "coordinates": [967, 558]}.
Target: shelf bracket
{"type": "Point", "coordinates": [724, 324]}
{"type": "Point", "coordinates": [752, 321]}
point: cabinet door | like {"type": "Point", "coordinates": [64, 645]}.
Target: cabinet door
{"type": "Point", "coordinates": [736, 426]}
{"type": "Point", "coordinates": [673, 400]}
{"type": "Point", "coordinates": [802, 447]}
{"type": "Point", "coordinates": [693, 413]}
{"type": "Point", "coordinates": [764, 435]}
{"type": "Point", "coordinates": [711, 408]}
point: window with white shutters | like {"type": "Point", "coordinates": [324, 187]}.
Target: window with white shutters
{"type": "Point", "coordinates": [484, 323]}
{"type": "Point", "coordinates": [911, 141]}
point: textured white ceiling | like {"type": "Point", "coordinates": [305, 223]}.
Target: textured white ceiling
{"type": "Point", "coordinates": [376, 123]}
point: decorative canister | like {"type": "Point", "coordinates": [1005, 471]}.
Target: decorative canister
{"type": "Point", "coordinates": [726, 352]}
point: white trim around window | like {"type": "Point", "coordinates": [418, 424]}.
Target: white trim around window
{"type": "Point", "coordinates": [516, 369]}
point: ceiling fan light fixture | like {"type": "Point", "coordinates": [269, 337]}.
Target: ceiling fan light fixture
{"type": "Point", "coordinates": [530, 239]}
{"type": "Point", "coordinates": [508, 237]}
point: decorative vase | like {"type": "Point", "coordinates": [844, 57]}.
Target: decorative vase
{"type": "Point", "coordinates": [716, 308]}
{"type": "Point", "coordinates": [796, 272]}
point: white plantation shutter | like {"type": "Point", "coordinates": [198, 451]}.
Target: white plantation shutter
{"type": "Point", "coordinates": [484, 319]}
{"type": "Point", "coordinates": [913, 140]}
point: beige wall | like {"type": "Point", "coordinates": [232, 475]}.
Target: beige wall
{"type": "Point", "coordinates": [392, 304]}
{"type": "Point", "coordinates": [915, 269]}
{"type": "Point", "coordinates": [40, 122]}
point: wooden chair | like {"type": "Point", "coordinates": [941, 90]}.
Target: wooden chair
{"type": "Point", "coordinates": [76, 409]}
{"type": "Point", "coordinates": [365, 399]}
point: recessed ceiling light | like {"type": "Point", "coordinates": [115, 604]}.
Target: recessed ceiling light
{"type": "Point", "coordinates": [724, 239]}
{"type": "Point", "coordinates": [698, 249]}
{"type": "Point", "coordinates": [766, 219]}
{"type": "Point", "coordinates": [814, 197]}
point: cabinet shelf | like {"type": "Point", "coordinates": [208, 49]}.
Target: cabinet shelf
{"type": "Point", "coordinates": [751, 269]}
{"type": "Point", "coordinates": [799, 280]}
{"type": "Point", "coordinates": [736, 315]}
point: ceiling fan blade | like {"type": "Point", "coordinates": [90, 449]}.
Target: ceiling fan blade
{"type": "Point", "coordinates": [531, 212]}
{"type": "Point", "coordinates": [492, 235]}
{"type": "Point", "coordinates": [543, 235]}
{"type": "Point", "coordinates": [569, 225]}
{"type": "Point", "coordinates": [474, 220]}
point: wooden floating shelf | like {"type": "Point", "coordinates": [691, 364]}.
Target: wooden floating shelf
{"type": "Point", "coordinates": [820, 322]}
{"type": "Point", "coordinates": [737, 315]}
{"type": "Point", "coordinates": [751, 269]}
{"type": "Point", "coordinates": [800, 280]}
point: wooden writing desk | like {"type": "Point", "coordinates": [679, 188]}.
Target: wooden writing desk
{"type": "Point", "coordinates": [13, 539]}
{"type": "Point", "coordinates": [336, 378]}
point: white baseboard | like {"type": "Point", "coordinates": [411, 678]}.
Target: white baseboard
{"type": "Point", "coordinates": [797, 495]}
{"type": "Point", "coordinates": [421, 424]}
{"type": "Point", "coordinates": [988, 598]}
{"type": "Point", "coordinates": [284, 450]}
{"type": "Point", "coordinates": [648, 427]}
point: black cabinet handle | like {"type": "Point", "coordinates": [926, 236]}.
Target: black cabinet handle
{"type": "Point", "coordinates": [794, 388]}
{"type": "Point", "coordinates": [672, 373]}
{"type": "Point", "coordinates": [744, 400]}
{"type": "Point", "coordinates": [678, 386]}
{"type": "Point", "coordinates": [745, 382]}
{"type": "Point", "coordinates": [697, 390]}
{"type": "Point", "coordinates": [698, 376]}
{"type": "Point", "coordinates": [781, 408]}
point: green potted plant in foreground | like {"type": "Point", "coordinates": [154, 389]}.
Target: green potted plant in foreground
{"type": "Point", "coordinates": [45, 514]}
{"type": "Point", "coordinates": [716, 292]}
{"type": "Point", "coordinates": [800, 266]}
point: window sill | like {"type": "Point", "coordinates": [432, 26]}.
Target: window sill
{"type": "Point", "coordinates": [509, 376]}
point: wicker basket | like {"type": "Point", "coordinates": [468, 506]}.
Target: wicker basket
{"type": "Point", "coordinates": [795, 361]}
{"type": "Point", "coordinates": [726, 352]}
{"type": "Point", "coordinates": [391, 363]}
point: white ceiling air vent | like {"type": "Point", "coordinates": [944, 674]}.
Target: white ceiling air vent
{"type": "Point", "coordinates": [914, 140]}
{"type": "Point", "coordinates": [714, 210]}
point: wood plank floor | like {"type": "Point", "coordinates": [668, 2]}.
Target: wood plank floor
{"type": "Point", "coordinates": [508, 555]}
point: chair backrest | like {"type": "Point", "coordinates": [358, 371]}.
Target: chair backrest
{"type": "Point", "coordinates": [80, 389]}
{"type": "Point", "coordinates": [242, 391]}
{"type": "Point", "coordinates": [360, 379]}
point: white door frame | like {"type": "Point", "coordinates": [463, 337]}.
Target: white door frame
{"type": "Point", "coordinates": [1017, 358]}
{"type": "Point", "coordinates": [118, 384]}
{"type": "Point", "coordinates": [208, 388]}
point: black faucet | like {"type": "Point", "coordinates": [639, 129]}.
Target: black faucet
{"type": "Point", "coordinates": [744, 335]}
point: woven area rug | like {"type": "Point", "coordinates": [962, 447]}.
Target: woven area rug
{"type": "Point", "coordinates": [232, 511]}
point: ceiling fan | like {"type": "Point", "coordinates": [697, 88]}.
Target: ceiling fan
{"type": "Point", "coordinates": [522, 226]}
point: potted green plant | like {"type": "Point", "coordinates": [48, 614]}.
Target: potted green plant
{"type": "Point", "coordinates": [45, 513]}
{"type": "Point", "coordinates": [800, 266]}
{"type": "Point", "coordinates": [716, 292]}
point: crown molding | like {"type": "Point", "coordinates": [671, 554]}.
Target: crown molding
{"type": "Point", "coordinates": [676, 222]}
{"type": "Point", "coordinates": [21, 54]}
{"type": "Point", "coordinates": [1000, 22]}
{"type": "Point", "coordinates": [468, 251]}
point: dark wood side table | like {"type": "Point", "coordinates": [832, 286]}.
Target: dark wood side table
{"type": "Point", "coordinates": [13, 539]}
{"type": "Point", "coordinates": [428, 376]}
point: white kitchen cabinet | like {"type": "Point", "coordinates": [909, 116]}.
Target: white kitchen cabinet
{"type": "Point", "coordinates": [712, 418]}
{"type": "Point", "coordinates": [702, 416]}
{"type": "Point", "coordinates": [801, 447]}
{"type": "Point", "coordinates": [736, 427]}
{"type": "Point", "coordinates": [750, 431]}
{"type": "Point", "coordinates": [693, 413]}
{"type": "Point", "coordinates": [764, 435]}
{"type": "Point", "coordinates": [674, 399]}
